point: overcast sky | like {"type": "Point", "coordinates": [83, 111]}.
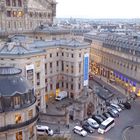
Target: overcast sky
{"type": "Point", "coordinates": [98, 8]}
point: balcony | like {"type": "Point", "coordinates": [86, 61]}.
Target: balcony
{"type": "Point", "coordinates": [19, 125]}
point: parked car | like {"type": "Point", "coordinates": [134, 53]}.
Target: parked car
{"type": "Point", "coordinates": [92, 123]}
{"type": "Point", "coordinates": [79, 130]}
{"type": "Point", "coordinates": [103, 117]}
{"type": "Point", "coordinates": [88, 128]}
{"type": "Point", "coordinates": [114, 115]}
{"type": "Point", "coordinates": [116, 107]}
{"type": "Point", "coordinates": [43, 129]}
{"type": "Point", "coordinates": [98, 119]}
{"type": "Point", "coordinates": [121, 106]}
{"type": "Point", "coordinates": [106, 114]}
{"type": "Point", "coordinates": [127, 105]}
{"type": "Point", "coordinates": [61, 95]}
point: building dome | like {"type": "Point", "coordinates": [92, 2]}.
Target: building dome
{"type": "Point", "coordinates": [15, 91]}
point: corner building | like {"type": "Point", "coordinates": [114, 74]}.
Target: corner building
{"type": "Point", "coordinates": [18, 114]}
{"type": "Point", "coordinates": [51, 66]}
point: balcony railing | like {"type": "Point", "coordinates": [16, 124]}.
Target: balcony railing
{"type": "Point", "coordinates": [19, 125]}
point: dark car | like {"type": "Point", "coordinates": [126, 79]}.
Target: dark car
{"type": "Point", "coordinates": [106, 114]}
{"type": "Point", "coordinates": [88, 128]}
{"type": "Point", "coordinates": [98, 119]}
{"type": "Point", "coordinates": [121, 106]}
{"type": "Point", "coordinates": [103, 117]}
{"type": "Point", "coordinates": [113, 114]}
{"type": "Point", "coordinates": [127, 105]}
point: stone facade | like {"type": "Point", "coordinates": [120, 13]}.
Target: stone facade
{"type": "Point", "coordinates": [18, 112]}
{"type": "Point", "coordinates": [116, 57]}
{"type": "Point", "coordinates": [18, 16]}
{"type": "Point", "coordinates": [51, 66]}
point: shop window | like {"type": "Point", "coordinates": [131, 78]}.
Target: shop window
{"type": "Point", "coordinates": [19, 136]}
{"type": "Point", "coordinates": [18, 118]}
{"type": "Point", "coordinates": [30, 113]}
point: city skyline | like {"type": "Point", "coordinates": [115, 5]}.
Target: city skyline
{"type": "Point", "coordinates": [97, 9]}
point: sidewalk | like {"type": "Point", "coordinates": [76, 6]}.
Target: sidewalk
{"type": "Point", "coordinates": [131, 133]}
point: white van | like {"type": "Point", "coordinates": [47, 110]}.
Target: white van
{"type": "Point", "coordinates": [61, 95]}
{"type": "Point", "coordinates": [93, 123]}
{"type": "Point", "coordinates": [43, 129]}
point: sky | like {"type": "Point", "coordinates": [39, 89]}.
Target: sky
{"type": "Point", "coordinates": [98, 9]}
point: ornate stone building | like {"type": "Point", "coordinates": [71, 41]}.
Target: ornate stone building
{"type": "Point", "coordinates": [51, 66]}
{"type": "Point", "coordinates": [117, 57]}
{"type": "Point", "coordinates": [18, 16]}
{"type": "Point", "coordinates": [18, 114]}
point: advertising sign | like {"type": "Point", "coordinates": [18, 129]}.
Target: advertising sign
{"type": "Point", "coordinates": [30, 73]}
{"type": "Point", "coordinates": [86, 68]}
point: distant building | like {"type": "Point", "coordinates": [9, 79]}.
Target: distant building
{"type": "Point", "coordinates": [18, 114]}
{"type": "Point", "coordinates": [18, 16]}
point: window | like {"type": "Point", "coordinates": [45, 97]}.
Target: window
{"type": "Point", "coordinates": [57, 63]}
{"type": "Point", "coordinates": [67, 68]}
{"type": "Point", "coordinates": [79, 67]}
{"type": "Point", "coordinates": [8, 13]}
{"type": "Point", "coordinates": [7, 2]}
{"type": "Point", "coordinates": [18, 118]}
{"type": "Point", "coordinates": [50, 55]}
{"type": "Point", "coordinates": [19, 136]}
{"type": "Point", "coordinates": [135, 68]}
{"type": "Point", "coordinates": [72, 69]}
{"type": "Point", "coordinates": [13, 2]}
{"type": "Point", "coordinates": [19, 3]}
{"type": "Point", "coordinates": [72, 55]}
{"type": "Point", "coordinates": [62, 84]}
{"type": "Point", "coordinates": [31, 131]}
{"type": "Point", "coordinates": [57, 54]}
{"type": "Point", "coordinates": [57, 85]}
{"type": "Point", "coordinates": [67, 85]}
{"type": "Point", "coordinates": [46, 68]}
{"type": "Point", "coordinates": [16, 101]}
{"type": "Point", "coordinates": [38, 75]}
{"type": "Point", "coordinates": [50, 64]}
{"type": "Point", "coordinates": [46, 88]}
{"type": "Point", "coordinates": [79, 85]}
{"type": "Point", "coordinates": [30, 113]}
{"type": "Point", "coordinates": [71, 86]}
{"type": "Point", "coordinates": [51, 86]}
{"type": "Point", "coordinates": [79, 54]}
{"type": "Point", "coordinates": [62, 54]}
{"type": "Point", "coordinates": [62, 66]}
{"type": "Point", "coordinates": [0, 103]}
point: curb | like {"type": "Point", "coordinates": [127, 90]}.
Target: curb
{"type": "Point", "coordinates": [126, 129]}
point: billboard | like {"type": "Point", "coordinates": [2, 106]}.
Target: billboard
{"type": "Point", "coordinates": [30, 73]}
{"type": "Point", "coordinates": [86, 68]}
